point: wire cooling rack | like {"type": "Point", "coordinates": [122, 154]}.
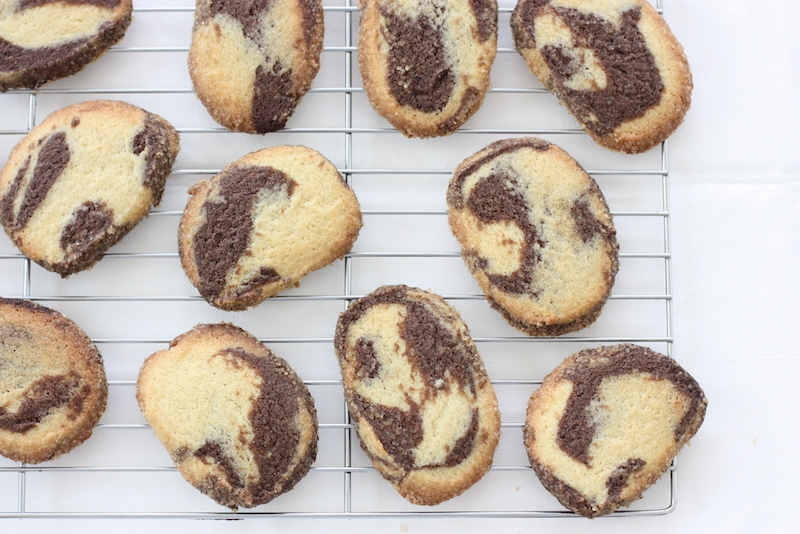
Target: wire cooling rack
{"type": "Point", "coordinates": [137, 299]}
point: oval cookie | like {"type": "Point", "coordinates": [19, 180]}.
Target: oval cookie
{"type": "Point", "coordinates": [82, 179]}
{"type": "Point", "coordinates": [425, 63]}
{"type": "Point", "coordinates": [536, 233]}
{"type": "Point", "coordinates": [263, 223]}
{"type": "Point", "coordinates": [44, 40]}
{"type": "Point", "coordinates": [614, 64]}
{"type": "Point", "coordinates": [53, 387]}
{"type": "Point", "coordinates": [251, 61]}
{"type": "Point", "coordinates": [237, 421]}
{"type": "Point", "coordinates": [607, 423]}
{"type": "Point", "coordinates": [422, 403]}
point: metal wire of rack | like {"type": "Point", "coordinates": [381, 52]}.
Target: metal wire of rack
{"type": "Point", "coordinates": [137, 300]}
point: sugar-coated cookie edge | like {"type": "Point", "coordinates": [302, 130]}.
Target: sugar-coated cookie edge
{"type": "Point", "coordinates": [658, 123]}
{"type": "Point", "coordinates": [76, 62]}
{"type": "Point", "coordinates": [90, 359]}
{"type": "Point", "coordinates": [426, 486]}
{"type": "Point", "coordinates": [566, 495]}
{"type": "Point", "coordinates": [513, 312]}
{"type": "Point", "coordinates": [412, 123]}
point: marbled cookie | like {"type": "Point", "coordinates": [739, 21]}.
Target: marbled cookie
{"type": "Point", "coordinates": [53, 387]}
{"type": "Point", "coordinates": [251, 61]}
{"type": "Point", "coordinates": [237, 421]}
{"type": "Point", "coordinates": [82, 179]}
{"type": "Point", "coordinates": [425, 63]}
{"type": "Point", "coordinates": [607, 422]}
{"type": "Point", "coordinates": [422, 403]}
{"type": "Point", "coordinates": [536, 233]}
{"type": "Point", "coordinates": [44, 40]}
{"type": "Point", "coordinates": [614, 64]}
{"type": "Point", "coordinates": [263, 223]}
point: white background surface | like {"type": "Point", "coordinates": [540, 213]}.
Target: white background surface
{"type": "Point", "coordinates": [735, 212]}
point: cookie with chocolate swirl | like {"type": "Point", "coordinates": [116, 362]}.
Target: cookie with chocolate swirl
{"type": "Point", "coordinates": [235, 418]}
{"type": "Point", "coordinates": [607, 422]}
{"type": "Point", "coordinates": [53, 387]}
{"type": "Point", "coordinates": [425, 64]}
{"type": "Point", "coordinates": [252, 61]}
{"type": "Point", "coordinates": [263, 223]}
{"type": "Point", "coordinates": [44, 40]}
{"type": "Point", "coordinates": [614, 64]}
{"type": "Point", "coordinates": [422, 403]}
{"type": "Point", "coordinates": [536, 233]}
{"type": "Point", "coordinates": [82, 179]}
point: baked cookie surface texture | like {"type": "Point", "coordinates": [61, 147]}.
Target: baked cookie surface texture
{"type": "Point", "coordinates": [251, 61]}
{"type": "Point", "coordinates": [607, 423]}
{"type": "Point", "coordinates": [44, 40]}
{"type": "Point", "coordinates": [536, 233]}
{"type": "Point", "coordinates": [614, 64]}
{"type": "Point", "coordinates": [422, 403]}
{"type": "Point", "coordinates": [263, 223]}
{"type": "Point", "coordinates": [425, 64]}
{"type": "Point", "coordinates": [53, 387]}
{"type": "Point", "coordinates": [82, 179]}
{"type": "Point", "coordinates": [237, 421]}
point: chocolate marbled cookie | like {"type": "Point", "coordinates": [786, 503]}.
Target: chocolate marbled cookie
{"type": "Point", "coordinates": [536, 233]}
{"type": "Point", "coordinates": [237, 421]}
{"type": "Point", "coordinates": [607, 423]}
{"type": "Point", "coordinates": [251, 61]}
{"type": "Point", "coordinates": [82, 179]}
{"type": "Point", "coordinates": [425, 64]}
{"type": "Point", "coordinates": [44, 40]}
{"type": "Point", "coordinates": [263, 223]}
{"type": "Point", "coordinates": [614, 64]}
{"type": "Point", "coordinates": [423, 406]}
{"type": "Point", "coordinates": [53, 387]}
